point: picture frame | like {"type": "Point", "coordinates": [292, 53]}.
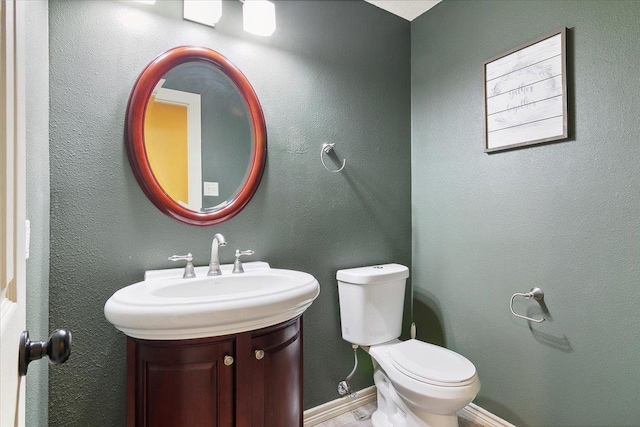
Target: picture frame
{"type": "Point", "coordinates": [525, 94]}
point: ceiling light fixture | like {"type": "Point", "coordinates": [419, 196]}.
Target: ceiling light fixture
{"type": "Point", "coordinates": [258, 16]}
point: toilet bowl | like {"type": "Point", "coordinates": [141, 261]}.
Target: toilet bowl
{"type": "Point", "coordinates": [418, 384]}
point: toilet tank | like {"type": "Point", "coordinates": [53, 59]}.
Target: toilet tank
{"type": "Point", "coordinates": [371, 303]}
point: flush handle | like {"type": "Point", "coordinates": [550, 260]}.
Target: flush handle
{"type": "Point", "coordinates": [57, 348]}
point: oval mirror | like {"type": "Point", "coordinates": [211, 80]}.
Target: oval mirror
{"type": "Point", "coordinates": [196, 136]}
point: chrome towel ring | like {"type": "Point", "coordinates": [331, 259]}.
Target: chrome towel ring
{"type": "Point", "coordinates": [326, 149]}
{"type": "Point", "coordinates": [535, 293]}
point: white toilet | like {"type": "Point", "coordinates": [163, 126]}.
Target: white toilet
{"type": "Point", "coordinates": [419, 384]}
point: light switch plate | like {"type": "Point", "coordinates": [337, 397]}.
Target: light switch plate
{"type": "Point", "coordinates": [211, 189]}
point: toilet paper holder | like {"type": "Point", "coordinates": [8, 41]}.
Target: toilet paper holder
{"type": "Point", "coordinates": [535, 293]}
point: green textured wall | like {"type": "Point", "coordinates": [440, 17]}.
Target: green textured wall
{"type": "Point", "coordinates": [334, 71]}
{"type": "Point", "coordinates": [564, 216]}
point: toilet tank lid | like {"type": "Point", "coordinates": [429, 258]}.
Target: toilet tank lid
{"type": "Point", "coordinates": [373, 274]}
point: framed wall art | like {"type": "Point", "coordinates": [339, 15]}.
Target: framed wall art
{"type": "Point", "coordinates": [525, 94]}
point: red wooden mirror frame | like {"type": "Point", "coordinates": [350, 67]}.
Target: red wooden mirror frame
{"type": "Point", "coordinates": [135, 141]}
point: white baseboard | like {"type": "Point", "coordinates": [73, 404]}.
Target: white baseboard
{"type": "Point", "coordinates": [337, 407]}
{"type": "Point", "coordinates": [340, 406]}
{"type": "Point", "coordinates": [482, 417]}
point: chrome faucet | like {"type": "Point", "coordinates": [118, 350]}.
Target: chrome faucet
{"type": "Point", "coordinates": [214, 264]}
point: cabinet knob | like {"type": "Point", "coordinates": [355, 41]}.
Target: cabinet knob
{"type": "Point", "coordinates": [228, 360]}
{"type": "Point", "coordinates": [259, 354]}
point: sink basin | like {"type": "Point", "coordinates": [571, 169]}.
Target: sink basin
{"type": "Point", "coordinates": [167, 307]}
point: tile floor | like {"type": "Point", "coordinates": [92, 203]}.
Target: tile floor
{"type": "Point", "coordinates": [361, 417]}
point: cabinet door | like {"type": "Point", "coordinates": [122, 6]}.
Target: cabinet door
{"type": "Point", "coordinates": [180, 383]}
{"type": "Point", "coordinates": [276, 363]}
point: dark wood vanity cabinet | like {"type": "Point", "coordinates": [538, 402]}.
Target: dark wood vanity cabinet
{"type": "Point", "coordinates": [187, 383]}
{"type": "Point", "coordinates": [269, 377]}
{"type": "Point", "coordinates": [180, 383]}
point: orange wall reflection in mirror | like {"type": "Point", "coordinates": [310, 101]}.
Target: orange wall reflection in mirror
{"type": "Point", "coordinates": [165, 128]}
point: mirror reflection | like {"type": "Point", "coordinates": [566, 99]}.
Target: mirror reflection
{"type": "Point", "coordinates": [198, 136]}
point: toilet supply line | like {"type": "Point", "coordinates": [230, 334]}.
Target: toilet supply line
{"type": "Point", "coordinates": [344, 387]}
{"type": "Point", "coordinates": [413, 323]}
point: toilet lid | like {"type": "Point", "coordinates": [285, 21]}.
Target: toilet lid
{"type": "Point", "coordinates": [431, 364]}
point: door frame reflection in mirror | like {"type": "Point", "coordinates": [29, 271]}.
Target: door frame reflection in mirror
{"type": "Point", "coordinates": [135, 137]}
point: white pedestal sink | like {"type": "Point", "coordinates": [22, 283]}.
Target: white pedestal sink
{"type": "Point", "coordinates": [167, 307]}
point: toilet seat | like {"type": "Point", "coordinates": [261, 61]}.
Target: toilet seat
{"type": "Point", "coordinates": [431, 364]}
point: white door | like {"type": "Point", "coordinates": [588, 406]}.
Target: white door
{"type": "Point", "coordinates": [12, 210]}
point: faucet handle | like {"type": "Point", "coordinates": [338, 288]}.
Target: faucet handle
{"type": "Point", "coordinates": [240, 253]}
{"type": "Point", "coordinates": [189, 271]}
{"type": "Point", "coordinates": [237, 265]}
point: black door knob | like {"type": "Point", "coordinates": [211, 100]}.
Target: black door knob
{"type": "Point", "coordinates": [57, 348]}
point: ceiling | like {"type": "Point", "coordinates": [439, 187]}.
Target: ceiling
{"type": "Point", "coordinates": [407, 9]}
